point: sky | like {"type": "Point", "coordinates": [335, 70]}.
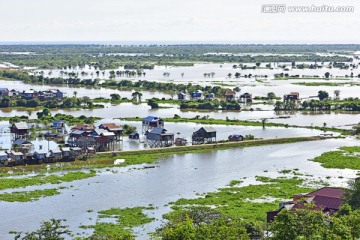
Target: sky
{"type": "Point", "coordinates": [197, 21]}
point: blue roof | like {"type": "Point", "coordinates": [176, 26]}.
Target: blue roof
{"type": "Point", "coordinates": [21, 141]}
{"type": "Point", "coordinates": [3, 89]}
{"type": "Point", "coordinates": [133, 133]}
{"type": "Point", "coordinates": [58, 121]}
{"type": "Point", "coordinates": [151, 118]}
{"type": "Point", "coordinates": [78, 132]}
{"type": "Point", "coordinates": [158, 131]}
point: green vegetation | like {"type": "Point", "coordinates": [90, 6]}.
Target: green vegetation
{"type": "Point", "coordinates": [245, 202]}
{"type": "Point", "coordinates": [327, 84]}
{"type": "Point", "coordinates": [210, 105]}
{"type": "Point", "coordinates": [346, 157]}
{"type": "Point", "coordinates": [112, 56]}
{"type": "Point", "coordinates": [126, 219]}
{"type": "Point", "coordinates": [237, 122]}
{"type": "Point", "coordinates": [45, 117]}
{"type": "Point", "coordinates": [70, 102]}
{"type": "Point", "coordinates": [213, 229]}
{"type": "Point", "coordinates": [28, 196]}
{"type": "Point", "coordinates": [10, 183]}
{"type": "Point", "coordinates": [52, 229]}
{"type": "Point", "coordinates": [103, 160]}
{"type": "Point", "coordinates": [308, 223]}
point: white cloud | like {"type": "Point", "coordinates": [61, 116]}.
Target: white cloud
{"type": "Point", "coordinates": [169, 20]}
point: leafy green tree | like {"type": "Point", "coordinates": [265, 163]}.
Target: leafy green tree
{"type": "Point", "coordinates": [323, 95]}
{"type": "Point", "coordinates": [308, 223]}
{"type": "Point", "coordinates": [152, 103]}
{"type": "Point", "coordinates": [352, 195]}
{"type": "Point", "coordinates": [271, 95]}
{"type": "Point", "coordinates": [49, 230]}
{"type": "Point", "coordinates": [115, 97]}
{"type": "Point", "coordinates": [5, 102]}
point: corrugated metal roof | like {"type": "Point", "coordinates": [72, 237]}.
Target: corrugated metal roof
{"type": "Point", "coordinates": [329, 202]}
{"type": "Point", "coordinates": [209, 129]}
{"type": "Point", "coordinates": [328, 192]}
{"type": "Point", "coordinates": [55, 150]}
{"type": "Point", "coordinates": [158, 131]}
{"type": "Point", "coordinates": [21, 141]}
{"type": "Point", "coordinates": [21, 125]}
{"type": "Point", "coordinates": [151, 118]}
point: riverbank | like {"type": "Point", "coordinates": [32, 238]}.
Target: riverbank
{"type": "Point", "coordinates": [264, 123]}
{"type": "Point", "coordinates": [144, 156]}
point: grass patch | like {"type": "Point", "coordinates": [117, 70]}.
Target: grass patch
{"type": "Point", "coordinates": [28, 196]}
{"type": "Point", "coordinates": [345, 157]}
{"type": "Point", "coordinates": [10, 183]}
{"type": "Point", "coordinates": [126, 219]}
{"type": "Point", "coordinates": [248, 202]}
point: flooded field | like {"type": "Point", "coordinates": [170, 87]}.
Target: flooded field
{"type": "Point", "coordinates": [176, 176]}
{"type": "Point", "coordinates": [185, 175]}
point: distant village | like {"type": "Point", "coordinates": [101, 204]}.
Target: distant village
{"type": "Point", "coordinates": [47, 95]}
{"type": "Point", "coordinates": [85, 139]}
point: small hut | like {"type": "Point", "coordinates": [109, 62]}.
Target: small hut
{"type": "Point", "coordinates": [158, 137]}
{"type": "Point", "coordinates": [3, 158]}
{"type": "Point", "coordinates": [90, 150]}
{"type": "Point", "coordinates": [236, 137]}
{"type": "Point", "coordinates": [198, 94]}
{"type": "Point", "coordinates": [230, 95]}
{"type": "Point", "coordinates": [246, 97]}
{"type": "Point", "coordinates": [181, 96]}
{"type": "Point", "coordinates": [134, 136]}
{"type": "Point", "coordinates": [55, 154]}
{"type": "Point", "coordinates": [20, 130]}
{"type": "Point", "coordinates": [66, 154]}
{"type": "Point", "coordinates": [40, 156]}
{"type": "Point", "coordinates": [292, 97]}
{"type": "Point", "coordinates": [75, 152]}
{"type": "Point", "coordinates": [17, 157]}
{"type": "Point", "coordinates": [204, 135]}
{"type": "Point", "coordinates": [112, 127]}
{"type": "Point", "coordinates": [58, 124]}
{"type": "Point", "coordinates": [180, 141]}
{"type": "Point", "coordinates": [22, 145]}
{"type": "Point", "coordinates": [151, 122]}
{"type": "Point", "coordinates": [210, 96]}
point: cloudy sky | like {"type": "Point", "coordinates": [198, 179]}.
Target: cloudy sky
{"type": "Point", "coordinates": [232, 21]}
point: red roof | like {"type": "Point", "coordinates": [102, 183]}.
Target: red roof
{"type": "Point", "coordinates": [110, 125]}
{"type": "Point", "coordinates": [326, 199]}
{"type": "Point", "coordinates": [328, 192]}
{"type": "Point", "coordinates": [229, 93]}
{"type": "Point", "coordinates": [83, 127]}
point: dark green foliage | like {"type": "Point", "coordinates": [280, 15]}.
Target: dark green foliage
{"type": "Point", "coordinates": [52, 229]}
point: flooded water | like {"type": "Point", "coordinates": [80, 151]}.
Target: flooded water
{"type": "Point", "coordinates": [123, 110]}
{"type": "Point", "coordinates": [187, 174]}
{"type": "Point", "coordinates": [183, 130]}
{"type": "Point", "coordinates": [38, 144]}
{"type": "Point", "coordinates": [177, 176]}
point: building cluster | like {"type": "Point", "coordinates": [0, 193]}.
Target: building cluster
{"type": "Point", "coordinates": [229, 96]}
{"type": "Point", "coordinates": [46, 95]}
{"type": "Point", "coordinates": [102, 138]}
{"type": "Point", "coordinates": [88, 139]}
